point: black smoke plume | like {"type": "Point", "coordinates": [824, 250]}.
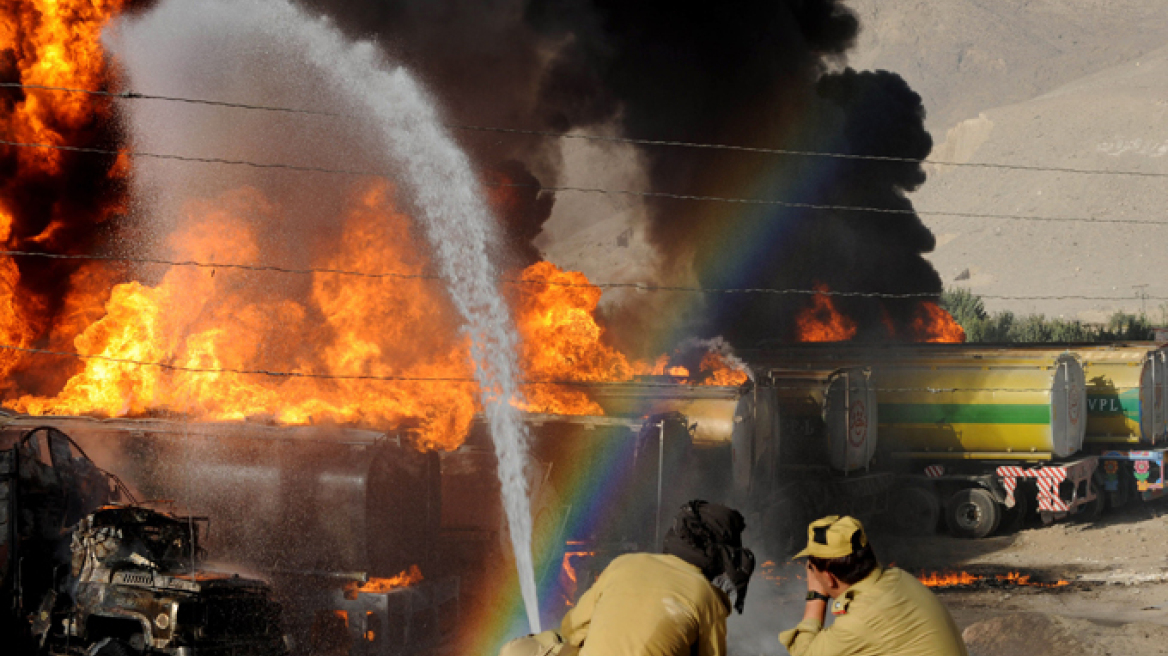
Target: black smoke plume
{"type": "Point", "coordinates": [756, 73]}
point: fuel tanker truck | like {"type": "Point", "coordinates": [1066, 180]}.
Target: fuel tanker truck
{"type": "Point", "coordinates": [1121, 449]}
{"type": "Point", "coordinates": [784, 448]}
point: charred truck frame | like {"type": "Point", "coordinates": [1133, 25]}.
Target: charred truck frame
{"type": "Point", "coordinates": [131, 585]}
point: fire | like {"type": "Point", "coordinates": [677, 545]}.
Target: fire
{"type": "Point", "coordinates": [562, 341]}
{"type": "Point", "coordinates": [51, 43]}
{"type": "Point", "coordinates": [572, 584]}
{"type": "Point", "coordinates": [770, 572]}
{"type": "Point", "coordinates": [954, 579]}
{"type": "Point", "coordinates": [822, 322]}
{"type": "Point", "coordinates": [209, 319]}
{"type": "Point", "coordinates": [934, 324]}
{"type": "Point", "coordinates": [56, 43]}
{"type": "Point", "coordinates": [715, 369]}
{"type": "Point", "coordinates": [215, 330]}
{"type": "Point", "coordinates": [412, 576]}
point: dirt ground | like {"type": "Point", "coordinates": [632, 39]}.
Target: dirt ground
{"type": "Point", "coordinates": [1115, 600]}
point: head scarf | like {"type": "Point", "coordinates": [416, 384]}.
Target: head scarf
{"type": "Point", "coordinates": [709, 537]}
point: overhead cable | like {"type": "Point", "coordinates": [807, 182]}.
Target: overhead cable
{"type": "Point", "coordinates": [453, 379]}
{"type": "Point", "coordinates": [622, 192]}
{"type": "Point", "coordinates": [131, 95]}
{"type": "Point", "coordinates": [636, 286]}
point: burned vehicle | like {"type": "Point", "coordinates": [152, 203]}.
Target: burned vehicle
{"type": "Point", "coordinates": [81, 576]}
{"type": "Point", "coordinates": [47, 484]}
{"type": "Point", "coordinates": [135, 587]}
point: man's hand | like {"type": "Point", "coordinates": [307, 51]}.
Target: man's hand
{"type": "Point", "coordinates": [815, 581]}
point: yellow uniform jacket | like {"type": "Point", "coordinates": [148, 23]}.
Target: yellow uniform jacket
{"type": "Point", "coordinates": [649, 605]}
{"type": "Point", "coordinates": [889, 613]}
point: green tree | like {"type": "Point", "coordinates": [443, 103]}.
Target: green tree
{"type": "Point", "coordinates": [968, 309]}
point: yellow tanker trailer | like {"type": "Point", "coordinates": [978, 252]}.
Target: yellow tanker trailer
{"type": "Point", "coordinates": [983, 410]}
{"type": "Point", "coordinates": [1127, 401]}
{"type": "Point", "coordinates": [975, 434]}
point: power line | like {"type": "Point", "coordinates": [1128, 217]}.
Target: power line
{"type": "Point", "coordinates": [131, 95]}
{"type": "Point", "coordinates": [636, 286]}
{"type": "Point", "coordinates": [623, 192]}
{"type": "Point", "coordinates": [440, 379]}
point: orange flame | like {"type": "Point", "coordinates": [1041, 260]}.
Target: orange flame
{"type": "Point", "coordinates": [210, 320]}
{"type": "Point", "coordinates": [953, 579]}
{"type": "Point", "coordinates": [57, 43]}
{"type": "Point", "coordinates": [715, 369]}
{"type": "Point", "coordinates": [822, 322]}
{"type": "Point", "coordinates": [572, 584]}
{"type": "Point", "coordinates": [51, 43]}
{"type": "Point", "coordinates": [412, 576]}
{"type": "Point", "coordinates": [562, 341]}
{"type": "Point", "coordinates": [211, 330]}
{"type": "Point", "coordinates": [934, 324]}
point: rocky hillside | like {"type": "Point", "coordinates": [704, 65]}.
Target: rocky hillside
{"type": "Point", "coordinates": [1049, 83]}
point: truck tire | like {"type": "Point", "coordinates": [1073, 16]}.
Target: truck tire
{"type": "Point", "coordinates": [1093, 510]}
{"type": "Point", "coordinates": [972, 513]}
{"type": "Point", "coordinates": [914, 511]}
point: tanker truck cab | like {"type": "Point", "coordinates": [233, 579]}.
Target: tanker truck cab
{"type": "Point", "coordinates": [134, 587]}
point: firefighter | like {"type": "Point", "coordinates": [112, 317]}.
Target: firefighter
{"type": "Point", "coordinates": [877, 610]}
{"type": "Point", "coordinates": [669, 604]}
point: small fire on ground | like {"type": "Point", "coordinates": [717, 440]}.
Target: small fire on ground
{"type": "Point", "coordinates": [949, 580]}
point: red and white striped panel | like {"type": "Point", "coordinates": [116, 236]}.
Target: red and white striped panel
{"type": "Point", "coordinates": [935, 471]}
{"type": "Point", "coordinates": [1048, 480]}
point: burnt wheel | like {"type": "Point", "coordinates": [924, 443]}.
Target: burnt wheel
{"type": "Point", "coordinates": [914, 511]}
{"type": "Point", "coordinates": [972, 513]}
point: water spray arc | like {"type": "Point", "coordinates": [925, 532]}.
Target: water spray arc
{"type": "Point", "coordinates": [436, 177]}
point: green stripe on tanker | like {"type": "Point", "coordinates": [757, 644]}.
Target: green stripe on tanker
{"type": "Point", "coordinates": [1037, 405]}
{"type": "Point", "coordinates": [959, 413]}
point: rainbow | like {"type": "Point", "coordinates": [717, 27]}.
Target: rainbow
{"type": "Point", "coordinates": [592, 492]}
{"type": "Point", "coordinates": [589, 494]}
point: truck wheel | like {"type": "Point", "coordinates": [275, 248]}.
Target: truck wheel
{"type": "Point", "coordinates": [914, 511]}
{"type": "Point", "coordinates": [972, 513]}
{"type": "Point", "coordinates": [1093, 510]}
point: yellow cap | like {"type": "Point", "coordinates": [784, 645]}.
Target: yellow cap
{"type": "Point", "coordinates": [834, 537]}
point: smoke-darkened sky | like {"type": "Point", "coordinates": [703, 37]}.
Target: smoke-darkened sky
{"type": "Point", "coordinates": [759, 73]}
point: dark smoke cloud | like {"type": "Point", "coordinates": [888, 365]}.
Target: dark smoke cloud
{"type": "Point", "coordinates": [753, 73]}
{"type": "Point", "coordinates": [483, 61]}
